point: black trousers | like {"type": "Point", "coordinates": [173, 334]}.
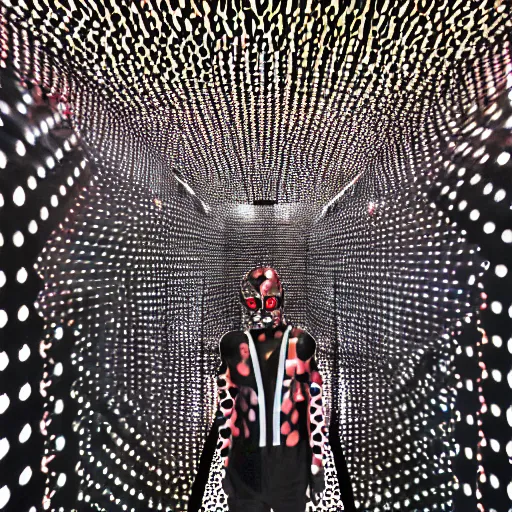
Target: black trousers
{"type": "Point", "coordinates": [282, 485]}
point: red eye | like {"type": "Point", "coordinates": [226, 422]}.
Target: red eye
{"type": "Point", "coordinates": [251, 303]}
{"type": "Point", "coordinates": [270, 303]}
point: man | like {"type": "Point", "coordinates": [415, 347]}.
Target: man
{"type": "Point", "coordinates": [271, 424]}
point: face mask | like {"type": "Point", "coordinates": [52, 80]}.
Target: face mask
{"type": "Point", "coordinates": [262, 298]}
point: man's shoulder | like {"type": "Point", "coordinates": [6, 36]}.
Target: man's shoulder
{"type": "Point", "coordinates": [306, 344]}
{"type": "Point", "coordinates": [230, 342]}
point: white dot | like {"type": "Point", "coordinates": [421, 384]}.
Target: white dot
{"type": "Point", "coordinates": [4, 361]}
{"type": "Point", "coordinates": [32, 227]}
{"type": "Point", "coordinates": [468, 452]}
{"type": "Point", "coordinates": [44, 213]}
{"type": "Point", "coordinates": [4, 447]}
{"type": "Point", "coordinates": [496, 375]}
{"type": "Point", "coordinates": [467, 489]}
{"type": "Point", "coordinates": [495, 410]}
{"type": "Point", "coordinates": [488, 189]}
{"type": "Point", "coordinates": [57, 371]}
{"type": "Point", "coordinates": [3, 160]}
{"type": "Point", "coordinates": [5, 495]}
{"type": "Point", "coordinates": [1, 240]}
{"type": "Point", "coordinates": [20, 148]}
{"type": "Point", "coordinates": [54, 201]}
{"type": "Point", "coordinates": [18, 239]}
{"type": "Point", "coordinates": [19, 196]}
{"type": "Point", "coordinates": [25, 433]}
{"type": "Point", "coordinates": [25, 476]}
{"type": "Point", "coordinates": [25, 392]}
{"type": "Point", "coordinates": [2, 278]}
{"type": "Point", "coordinates": [21, 275]}
{"type": "Point", "coordinates": [503, 158]}
{"type": "Point", "coordinates": [3, 318]}
{"type": "Point", "coordinates": [489, 227]}
{"type": "Point", "coordinates": [62, 190]}
{"type": "Point", "coordinates": [61, 480]}
{"type": "Point", "coordinates": [494, 481]}
{"type": "Point", "coordinates": [495, 445]}
{"type": "Point", "coordinates": [496, 307]}
{"type": "Point", "coordinates": [24, 353]}
{"type": "Point", "coordinates": [501, 270]}
{"type": "Point", "coordinates": [59, 406]}
{"type": "Point", "coordinates": [32, 183]}
{"type": "Point", "coordinates": [4, 403]}
{"type": "Point", "coordinates": [462, 205]}
{"type": "Point", "coordinates": [474, 215]}
{"type": "Point", "coordinates": [60, 443]}
{"type": "Point", "coordinates": [509, 490]}
{"type": "Point", "coordinates": [59, 333]}
{"type": "Point", "coordinates": [506, 236]}
{"type": "Point", "coordinates": [41, 172]}
{"type": "Point", "coordinates": [500, 195]}
{"type": "Point", "coordinates": [469, 419]}
{"type": "Point", "coordinates": [23, 313]}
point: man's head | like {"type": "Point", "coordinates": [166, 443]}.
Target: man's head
{"type": "Point", "coordinates": [262, 296]}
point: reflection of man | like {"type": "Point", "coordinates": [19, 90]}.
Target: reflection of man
{"type": "Point", "coordinates": [271, 431]}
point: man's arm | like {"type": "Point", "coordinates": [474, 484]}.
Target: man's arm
{"type": "Point", "coordinates": [306, 348]}
{"type": "Point", "coordinates": [227, 393]}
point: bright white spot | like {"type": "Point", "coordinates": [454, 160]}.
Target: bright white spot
{"type": "Point", "coordinates": [59, 333]}
{"type": "Point", "coordinates": [469, 419]}
{"type": "Point", "coordinates": [32, 227]}
{"type": "Point", "coordinates": [500, 195]}
{"type": "Point", "coordinates": [494, 481]}
{"type": "Point", "coordinates": [3, 318]}
{"type": "Point", "coordinates": [4, 361]}
{"type": "Point", "coordinates": [4, 403]}
{"type": "Point", "coordinates": [4, 447]}
{"type": "Point", "coordinates": [495, 445]}
{"type": "Point", "coordinates": [57, 371]}
{"type": "Point", "coordinates": [32, 183]}
{"type": "Point", "coordinates": [503, 158]}
{"type": "Point", "coordinates": [59, 406]}
{"type": "Point", "coordinates": [62, 190]}
{"type": "Point", "coordinates": [467, 489]}
{"type": "Point", "coordinates": [24, 353]}
{"type": "Point", "coordinates": [501, 270]}
{"type": "Point", "coordinates": [21, 275]}
{"type": "Point", "coordinates": [468, 452]}
{"type": "Point", "coordinates": [496, 307]}
{"type": "Point", "coordinates": [25, 476]}
{"type": "Point", "coordinates": [19, 196]}
{"type": "Point", "coordinates": [41, 172]}
{"type": "Point", "coordinates": [474, 215]}
{"type": "Point", "coordinates": [54, 201]}
{"type": "Point", "coordinates": [489, 227]}
{"type": "Point", "coordinates": [61, 480]}
{"type": "Point", "coordinates": [2, 278]}
{"type": "Point", "coordinates": [5, 494]}
{"type": "Point", "coordinates": [496, 375]}
{"type": "Point", "coordinates": [1, 240]}
{"type": "Point", "coordinates": [20, 148]}
{"type": "Point", "coordinates": [60, 442]}
{"type": "Point", "coordinates": [18, 239]}
{"type": "Point", "coordinates": [44, 213]}
{"type": "Point", "coordinates": [462, 205]}
{"type": "Point", "coordinates": [506, 236]}
{"type": "Point", "coordinates": [488, 189]}
{"type": "Point", "coordinates": [3, 160]}
{"type": "Point", "coordinates": [25, 392]}
{"type": "Point", "coordinates": [25, 433]}
{"type": "Point", "coordinates": [495, 410]}
{"type": "Point", "coordinates": [23, 313]}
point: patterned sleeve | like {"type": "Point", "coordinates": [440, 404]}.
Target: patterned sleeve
{"type": "Point", "coordinates": [226, 414]}
{"type": "Point", "coordinates": [316, 414]}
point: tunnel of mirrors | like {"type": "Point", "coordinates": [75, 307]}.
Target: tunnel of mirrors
{"type": "Point", "coordinates": [152, 152]}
